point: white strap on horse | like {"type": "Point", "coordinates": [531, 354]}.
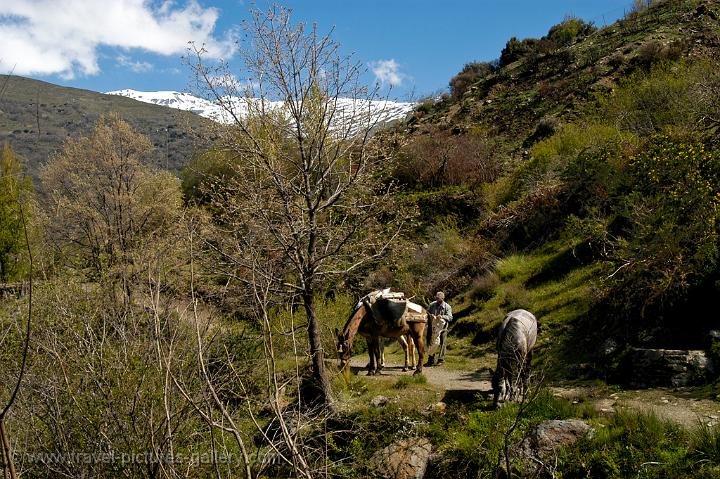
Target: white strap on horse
{"type": "Point", "coordinates": [414, 307]}
{"type": "Point", "coordinates": [386, 294]}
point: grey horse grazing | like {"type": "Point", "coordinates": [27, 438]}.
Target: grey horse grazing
{"type": "Point", "coordinates": [515, 343]}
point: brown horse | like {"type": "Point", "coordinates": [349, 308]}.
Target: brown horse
{"type": "Point", "coordinates": [408, 346]}
{"type": "Point", "coordinates": [368, 324]}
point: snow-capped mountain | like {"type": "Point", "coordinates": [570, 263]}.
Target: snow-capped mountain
{"type": "Point", "coordinates": [382, 111]}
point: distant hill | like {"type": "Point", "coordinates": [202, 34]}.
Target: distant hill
{"type": "Point", "coordinates": [36, 117]}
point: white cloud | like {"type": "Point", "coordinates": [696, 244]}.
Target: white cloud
{"type": "Point", "coordinates": [63, 36]}
{"type": "Point", "coordinates": [387, 71]}
{"type": "Point", "coordinates": [136, 66]}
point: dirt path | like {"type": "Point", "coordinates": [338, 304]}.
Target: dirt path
{"type": "Point", "coordinates": [675, 405]}
{"type": "Point", "coordinates": [441, 377]}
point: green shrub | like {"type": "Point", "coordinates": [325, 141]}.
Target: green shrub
{"type": "Point", "coordinates": [516, 49]}
{"type": "Point", "coordinates": [471, 73]}
{"type": "Point", "coordinates": [15, 193]}
{"type": "Point", "coordinates": [483, 287]}
{"type": "Point", "coordinates": [705, 444]}
{"type": "Point", "coordinates": [471, 444]}
{"type": "Point", "coordinates": [673, 210]}
{"type": "Point", "coordinates": [642, 445]}
{"type": "Point", "coordinates": [653, 101]}
{"type": "Point", "coordinates": [569, 30]}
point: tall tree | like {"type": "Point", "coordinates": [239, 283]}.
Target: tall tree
{"type": "Point", "coordinates": [303, 205]}
{"type": "Point", "coordinates": [15, 187]}
{"type": "Point", "coordinates": [105, 205]}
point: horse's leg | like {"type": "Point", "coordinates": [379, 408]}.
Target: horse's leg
{"type": "Point", "coordinates": [419, 338]}
{"type": "Point", "coordinates": [372, 344]}
{"type": "Point", "coordinates": [526, 372]}
{"type": "Point", "coordinates": [510, 387]}
{"type": "Point", "coordinates": [411, 350]}
{"type": "Point", "coordinates": [403, 342]}
{"type": "Point", "coordinates": [381, 354]}
{"type": "Point", "coordinates": [369, 349]}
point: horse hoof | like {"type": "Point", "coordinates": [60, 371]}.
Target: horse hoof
{"type": "Point", "coordinates": [371, 373]}
{"type": "Point", "coordinates": [417, 371]}
{"type": "Point", "coordinates": [404, 370]}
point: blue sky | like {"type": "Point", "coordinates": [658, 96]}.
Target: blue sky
{"type": "Point", "coordinates": [416, 45]}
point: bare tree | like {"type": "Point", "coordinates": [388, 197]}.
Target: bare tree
{"type": "Point", "coordinates": [7, 454]}
{"type": "Point", "coordinates": [304, 198]}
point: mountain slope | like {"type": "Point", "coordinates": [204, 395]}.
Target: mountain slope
{"type": "Point", "coordinates": [595, 221]}
{"type": "Point", "coordinates": [554, 78]}
{"type": "Point", "coordinates": [381, 110]}
{"type": "Point", "coordinates": [36, 117]}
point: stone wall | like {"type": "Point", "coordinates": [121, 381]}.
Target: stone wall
{"type": "Point", "coordinates": [666, 367]}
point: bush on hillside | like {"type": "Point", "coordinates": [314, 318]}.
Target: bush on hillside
{"type": "Point", "coordinates": [471, 73]}
{"type": "Point", "coordinates": [444, 159]}
{"type": "Point", "coordinates": [554, 90]}
{"type": "Point", "coordinates": [446, 260]}
{"type": "Point", "coordinates": [674, 210]}
{"type": "Point", "coordinates": [681, 98]}
{"type": "Point", "coordinates": [569, 30]}
{"type": "Point", "coordinates": [516, 49]}
{"type": "Point", "coordinates": [655, 51]}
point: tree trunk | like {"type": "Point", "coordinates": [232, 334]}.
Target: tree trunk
{"type": "Point", "coordinates": [8, 464]}
{"type": "Point", "coordinates": [317, 353]}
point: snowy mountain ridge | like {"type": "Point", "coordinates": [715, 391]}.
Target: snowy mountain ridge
{"type": "Point", "coordinates": [381, 111]}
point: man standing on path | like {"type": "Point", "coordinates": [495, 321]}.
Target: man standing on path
{"type": "Point", "coordinates": [442, 309]}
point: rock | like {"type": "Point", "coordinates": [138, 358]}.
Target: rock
{"type": "Point", "coordinates": [404, 459]}
{"type": "Point", "coordinates": [379, 401]}
{"type": "Point", "coordinates": [543, 442]}
{"type": "Point", "coordinates": [667, 367]}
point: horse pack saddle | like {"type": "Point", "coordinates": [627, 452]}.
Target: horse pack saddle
{"type": "Point", "coordinates": [393, 308]}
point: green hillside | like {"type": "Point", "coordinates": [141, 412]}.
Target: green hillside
{"type": "Point", "coordinates": [36, 117]}
{"type": "Point", "coordinates": [576, 177]}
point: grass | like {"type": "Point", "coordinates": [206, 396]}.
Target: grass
{"type": "Point", "coordinates": [468, 440]}
{"type": "Point", "coordinates": [632, 444]}
{"type": "Point", "coordinates": [550, 283]}
{"type": "Point", "coordinates": [407, 381]}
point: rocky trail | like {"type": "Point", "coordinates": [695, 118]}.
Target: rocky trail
{"type": "Point", "coordinates": [679, 405]}
{"type": "Point", "coordinates": [441, 377]}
